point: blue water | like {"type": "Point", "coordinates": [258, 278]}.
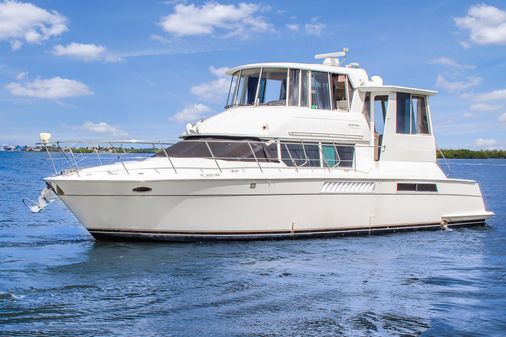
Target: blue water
{"type": "Point", "coordinates": [55, 280]}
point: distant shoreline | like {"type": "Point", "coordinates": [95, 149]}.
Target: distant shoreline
{"type": "Point", "coordinates": [472, 154]}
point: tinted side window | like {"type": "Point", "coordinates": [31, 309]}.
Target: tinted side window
{"type": "Point", "coordinates": [305, 155]}
{"type": "Point", "coordinates": [403, 113]}
{"type": "Point", "coordinates": [320, 92]}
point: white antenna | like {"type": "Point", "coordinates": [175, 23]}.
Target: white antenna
{"type": "Point", "coordinates": [333, 58]}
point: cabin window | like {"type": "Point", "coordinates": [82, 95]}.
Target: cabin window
{"type": "Point", "coordinates": [338, 155]}
{"type": "Point", "coordinates": [242, 151]}
{"type": "Point", "coordinates": [304, 78]}
{"type": "Point", "coordinates": [232, 89]}
{"type": "Point", "coordinates": [412, 115]}
{"type": "Point", "coordinates": [380, 113]}
{"type": "Point", "coordinates": [320, 92]}
{"type": "Point", "coordinates": [294, 88]}
{"type": "Point", "coordinates": [341, 92]}
{"type": "Point", "coordinates": [272, 90]}
{"type": "Point", "coordinates": [246, 87]}
{"type": "Point", "coordinates": [223, 149]}
{"type": "Point", "coordinates": [420, 120]}
{"type": "Point", "coordinates": [300, 154]}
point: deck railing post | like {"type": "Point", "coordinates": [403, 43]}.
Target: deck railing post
{"type": "Point", "coordinates": [291, 158]}
{"type": "Point", "coordinates": [122, 163]}
{"type": "Point", "coordinates": [256, 159]}
{"type": "Point", "coordinates": [51, 159]}
{"type": "Point", "coordinates": [213, 157]}
{"type": "Point", "coordinates": [167, 155]}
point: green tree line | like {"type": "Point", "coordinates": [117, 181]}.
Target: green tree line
{"type": "Point", "coordinates": [470, 154]}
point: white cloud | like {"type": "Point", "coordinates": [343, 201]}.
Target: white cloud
{"type": "Point", "coordinates": [469, 115]}
{"type": "Point", "coordinates": [502, 118]}
{"type": "Point", "coordinates": [446, 61]}
{"type": "Point", "coordinates": [484, 107]}
{"type": "Point", "coordinates": [85, 52]}
{"type": "Point", "coordinates": [206, 19]}
{"type": "Point", "coordinates": [314, 28]}
{"type": "Point", "coordinates": [494, 95]}
{"type": "Point", "coordinates": [21, 76]}
{"type": "Point", "coordinates": [26, 23]}
{"type": "Point", "coordinates": [293, 27]}
{"type": "Point", "coordinates": [486, 24]}
{"type": "Point", "coordinates": [102, 128]}
{"type": "Point", "coordinates": [452, 86]}
{"type": "Point", "coordinates": [214, 90]}
{"type": "Point", "coordinates": [53, 88]}
{"type": "Point", "coordinates": [191, 113]}
{"type": "Point", "coordinates": [485, 143]}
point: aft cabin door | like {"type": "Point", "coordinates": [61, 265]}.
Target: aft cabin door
{"type": "Point", "coordinates": [380, 112]}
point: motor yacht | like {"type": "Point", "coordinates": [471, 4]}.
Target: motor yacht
{"type": "Point", "coordinates": [300, 150]}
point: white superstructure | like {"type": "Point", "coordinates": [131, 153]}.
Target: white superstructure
{"type": "Point", "coordinates": [301, 149]}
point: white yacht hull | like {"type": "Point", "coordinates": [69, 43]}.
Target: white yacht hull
{"type": "Point", "coordinates": [268, 208]}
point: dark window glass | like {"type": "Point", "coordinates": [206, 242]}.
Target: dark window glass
{"type": "Point", "coordinates": [187, 149]}
{"type": "Point", "coordinates": [293, 97]}
{"type": "Point", "coordinates": [406, 187]}
{"type": "Point", "coordinates": [304, 101]}
{"type": "Point", "coordinates": [223, 150]}
{"type": "Point", "coordinates": [426, 187]}
{"type": "Point", "coordinates": [300, 154]}
{"type": "Point", "coordinates": [416, 187]}
{"type": "Point", "coordinates": [403, 113]}
{"type": "Point", "coordinates": [320, 92]}
{"type": "Point", "coordinates": [346, 154]}
{"type": "Point", "coordinates": [338, 155]}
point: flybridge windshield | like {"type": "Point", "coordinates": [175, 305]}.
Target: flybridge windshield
{"type": "Point", "coordinates": [258, 86]}
{"type": "Point", "coordinates": [290, 87]}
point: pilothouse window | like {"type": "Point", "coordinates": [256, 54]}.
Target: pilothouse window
{"type": "Point", "coordinates": [320, 92]}
{"type": "Point", "coordinates": [412, 117]}
{"type": "Point", "coordinates": [246, 87]}
{"type": "Point", "coordinates": [341, 91]}
{"type": "Point", "coordinates": [272, 89]}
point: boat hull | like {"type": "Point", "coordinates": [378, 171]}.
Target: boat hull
{"type": "Point", "coordinates": [266, 209]}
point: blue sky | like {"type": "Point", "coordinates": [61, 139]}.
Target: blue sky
{"type": "Point", "coordinates": [143, 69]}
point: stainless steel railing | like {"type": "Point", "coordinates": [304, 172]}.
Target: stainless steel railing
{"type": "Point", "coordinates": [294, 155]}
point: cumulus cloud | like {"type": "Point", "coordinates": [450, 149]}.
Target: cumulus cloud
{"type": "Point", "coordinates": [486, 24]}
{"type": "Point", "coordinates": [191, 113]}
{"type": "Point", "coordinates": [494, 95]}
{"type": "Point", "coordinates": [53, 88]}
{"type": "Point", "coordinates": [85, 52]}
{"type": "Point", "coordinates": [453, 86]}
{"type": "Point", "coordinates": [206, 19]}
{"type": "Point", "coordinates": [485, 143]}
{"type": "Point", "coordinates": [484, 107]}
{"type": "Point", "coordinates": [26, 23]}
{"type": "Point", "coordinates": [502, 118]}
{"type": "Point", "coordinates": [214, 90]}
{"type": "Point", "coordinates": [314, 27]}
{"type": "Point", "coordinates": [446, 61]}
{"type": "Point", "coordinates": [102, 128]}
{"type": "Point", "coordinates": [293, 27]}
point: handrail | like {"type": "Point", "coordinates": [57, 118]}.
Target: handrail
{"type": "Point", "coordinates": [298, 157]}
